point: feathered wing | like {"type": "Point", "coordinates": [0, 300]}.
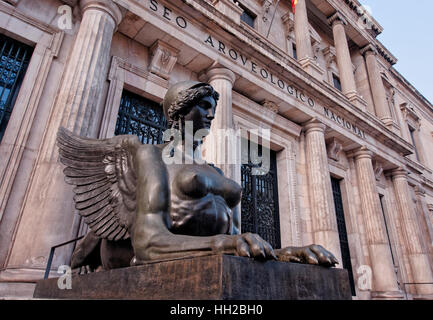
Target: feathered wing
{"type": "Point", "coordinates": [103, 174]}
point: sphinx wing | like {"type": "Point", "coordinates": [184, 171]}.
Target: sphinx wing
{"type": "Point", "coordinates": [103, 174]}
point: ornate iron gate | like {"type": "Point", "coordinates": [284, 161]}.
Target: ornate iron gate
{"type": "Point", "coordinates": [14, 60]}
{"type": "Point", "coordinates": [260, 212]}
{"type": "Point", "coordinates": [342, 232]}
{"type": "Point", "coordinates": [142, 117]}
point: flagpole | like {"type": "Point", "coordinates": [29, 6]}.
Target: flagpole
{"type": "Point", "coordinates": [273, 16]}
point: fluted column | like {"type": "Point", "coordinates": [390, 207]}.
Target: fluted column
{"type": "Point", "coordinates": [47, 217]}
{"type": "Point", "coordinates": [220, 146]}
{"type": "Point", "coordinates": [324, 220]}
{"type": "Point", "coordinates": [302, 32]}
{"type": "Point", "coordinates": [416, 252]}
{"type": "Point", "coordinates": [344, 60]}
{"type": "Point", "coordinates": [384, 278]}
{"type": "Point", "coordinates": [424, 221]}
{"type": "Point", "coordinates": [376, 85]}
{"type": "Point", "coordinates": [303, 41]}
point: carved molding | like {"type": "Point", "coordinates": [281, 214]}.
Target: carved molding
{"type": "Point", "coordinates": [409, 114]}
{"type": "Point", "coordinates": [163, 59]}
{"type": "Point", "coordinates": [337, 18]}
{"type": "Point", "coordinates": [378, 169]}
{"type": "Point", "coordinates": [270, 105]}
{"type": "Point", "coordinates": [266, 4]}
{"type": "Point", "coordinates": [288, 22]}
{"type": "Point", "coordinates": [12, 2]}
{"type": "Point", "coordinates": [370, 49]}
{"type": "Point", "coordinates": [48, 43]}
{"type": "Point", "coordinates": [334, 149]}
{"type": "Point", "coordinates": [330, 54]}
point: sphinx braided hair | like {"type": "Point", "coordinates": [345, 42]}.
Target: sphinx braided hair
{"type": "Point", "coordinates": [186, 100]}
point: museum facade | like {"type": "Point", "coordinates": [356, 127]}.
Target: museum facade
{"type": "Point", "coordinates": [350, 139]}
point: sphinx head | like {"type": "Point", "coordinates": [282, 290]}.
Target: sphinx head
{"type": "Point", "coordinates": [190, 101]}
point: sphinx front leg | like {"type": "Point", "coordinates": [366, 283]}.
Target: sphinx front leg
{"type": "Point", "coordinates": [313, 254]}
{"type": "Point", "coordinates": [152, 241]}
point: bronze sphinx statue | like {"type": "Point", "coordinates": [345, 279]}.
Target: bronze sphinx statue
{"type": "Point", "coordinates": [141, 209]}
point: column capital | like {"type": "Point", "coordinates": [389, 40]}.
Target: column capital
{"type": "Point", "coordinates": [368, 49]}
{"type": "Point", "coordinates": [363, 153]}
{"type": "Point", "coordinates": [420, 191]}
{"type": "Point", "coordinates": [107, 6]}
{"type": "Point", "coordinates": [337, 18]}
{"type": "Point", "coordinates": [314, 125]}
{"type": "Point", "coordinates": [399, 173]}
{"type": "Point", "coordinates": [219, 73]}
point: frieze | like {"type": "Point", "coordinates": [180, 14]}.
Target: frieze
{"type": "Point", "coordinates": [234, 54]}
{"type": "Point", "coordinates": [251, 65]}
{"type": "Point", "coordinates": [341, 121]}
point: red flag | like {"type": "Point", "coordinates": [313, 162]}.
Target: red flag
{"type": "Point", "coordinates": [294, 3]}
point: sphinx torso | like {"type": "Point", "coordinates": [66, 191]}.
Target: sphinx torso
{"type": "Point", "coordinates": [201, 200]}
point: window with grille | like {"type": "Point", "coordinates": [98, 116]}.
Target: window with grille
{"type": "Point", "coordinates": [14, 60]}
{"type": "Point", "coordinates": [337, 82]}
{"type": "Point", "coordinates": [247, 16]}
{"type": "Point", "coordinates": [412, 133]}
{"type": "Point", "coordinates": [295, 52]}
{"type": "Point", "coordinates": [141, 117]}
{"type": "Point", "coordinates": [259, 206]}
{"type": "Point", "coordinates": [342, 231]}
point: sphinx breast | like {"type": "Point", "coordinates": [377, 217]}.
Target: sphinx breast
{"type": "Point", "coordinates": [194, 182]}
{"type": "Point", "coordinates": [206, 216]}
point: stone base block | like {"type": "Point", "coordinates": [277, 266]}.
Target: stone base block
{"type": "Point", "coordinates": [217, 277]}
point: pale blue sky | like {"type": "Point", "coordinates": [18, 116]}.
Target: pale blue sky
{"type": "Point", "coordinates": [408, 35]}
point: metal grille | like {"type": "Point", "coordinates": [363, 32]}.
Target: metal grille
{"type": "Point", "coordinates": [142, 117]}
{"type": "Point", "coordinates": [260, 213]}
{"type": "Point", "coordinates": [344, 242]}
{"type": "Point", "coordinates": [14, 60]}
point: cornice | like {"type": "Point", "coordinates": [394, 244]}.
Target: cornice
{"type": "Point", "coordinates": [281, 63]}
{"type": "Point", "coordinates": [355, 6]}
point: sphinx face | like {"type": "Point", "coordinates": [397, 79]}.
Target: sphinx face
{"type": "Point", "coordinates": [202, 113]}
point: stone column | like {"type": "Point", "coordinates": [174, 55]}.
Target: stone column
{"type": "Point", "coordinates": [324, 220]}
{"type": "Point", "coordinates": [424, 221]}
{"type": "Point", "coordinates": [302, 32]}
{"type": "Point", "coordinates": [416, 252]}
{"type": "Point", "coordinates": [344, 60]}
{"type": "Point", "coordinates": [220, 146]}
{"type": "Point", "coordinates": [376, 85]}
{"type": "Point", "coordinates": [303, 41]}
{"type": "Point", "coordinates": [384, 284]}
{"type": "Point", "coordinates": [48, 218]}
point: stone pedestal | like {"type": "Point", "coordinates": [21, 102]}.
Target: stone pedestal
{"type": "Point", "coordinates": [217, 277]}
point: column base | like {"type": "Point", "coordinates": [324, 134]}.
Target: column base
{"type": "Point", "coordinates": [310, 66]}
{"type": "Point", "coordinates": [387, 295]}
